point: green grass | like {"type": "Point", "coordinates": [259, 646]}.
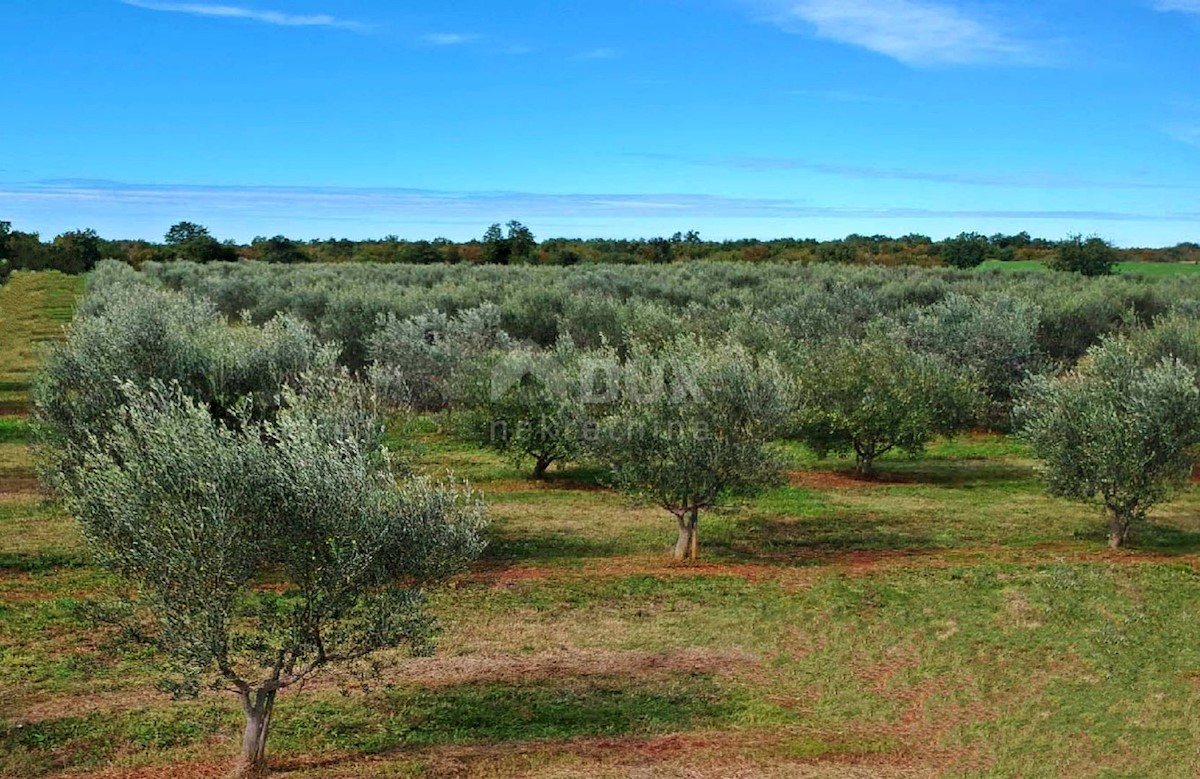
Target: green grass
{"type": "Point", "coordinates": [34, 308]}
{"type": "Point", "coordinates": [1155, 269]}
{"type": "Point", "coordinates": [948, 616]}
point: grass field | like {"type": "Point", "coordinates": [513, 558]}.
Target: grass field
{"type": "Point", "coordinates": [1155, 269]}
{"type": "Point", "coordinates": [947, 620]}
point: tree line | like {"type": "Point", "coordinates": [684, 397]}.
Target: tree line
{"type": "Point", "coordinates": [79, 251]}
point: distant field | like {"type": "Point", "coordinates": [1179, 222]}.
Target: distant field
{"type": "Point", "coordinates": [1143, 268]}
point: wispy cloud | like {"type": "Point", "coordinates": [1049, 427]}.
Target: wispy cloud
{"type": "Point", "coordinates": [1027, 180]}
{"type": "Point", "coordinates": [915, 32]}
{"type": "Point", "coordinates": [1186, 6]}
{"type": "Point", "coordinates": [237, 12]}
{"type": "Point", "coordinates": [1185, 133]}
{"type": "Point", "coordinates": [88, 200]}
{"type": "Point", "coordinates": [601, 53]}
{"type": "Point", "coordinates": [448, 38]}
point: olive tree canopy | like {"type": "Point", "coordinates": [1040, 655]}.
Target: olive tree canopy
{"type": "Point", "coordinates": [1121, 429]}
{"type": "Point", "coordinates": [872, 396]}
{"type": "Point", "coordinates": [264, 552]}
{"type": "Point", "coordinates": [691, 425]}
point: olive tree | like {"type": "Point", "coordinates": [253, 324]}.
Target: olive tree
{"type": "Point", "coordinates": [533, 405]}
{"type": "Point", "coordinates": [263, 552]}
{"type": "Point", "coordinates": [690, 426]}
{"type": "Point", "coordinates": [872, 396]}
{"type": "Point", "coordinates": [994, 336]}
{"type": "Point", "coordinates": [5, 251]}
{"type": "Point", "coordinates": [1120, 429]}
{"type": "Point", "coordinates": [423, 362]}
{"type": "Point", "coordinates": [127, 331]}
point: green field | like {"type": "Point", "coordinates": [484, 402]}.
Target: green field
{"type": "Point", "coordinates": [949, 619]}
{"type": "Point", "coordinates": [1155, 269]}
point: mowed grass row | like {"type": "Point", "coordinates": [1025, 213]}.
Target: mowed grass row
{"type": "Point", "coordinates": [948, 620]}
{"type": "Point", "coordinates": [34, 307]}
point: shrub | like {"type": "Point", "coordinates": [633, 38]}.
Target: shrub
{"type": "Point", "coordinates": [1091, 256]}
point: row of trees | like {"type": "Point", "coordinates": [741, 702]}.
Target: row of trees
{"type": "Point", "coordinates": [685, 421]}
{"type": "Point", "coordinates": [1051, 318]}
{"type": "Point", "coordinates": [78, 251]}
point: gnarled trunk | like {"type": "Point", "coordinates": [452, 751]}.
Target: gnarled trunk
{"type": "Point", "coordinates": [1118, 528]}
{"type": "Point", "coordinates": [258, 707]}
{"type": "Point", "coordinates": [864, 464]}
{"type": "Point", "coordinates": [540, 467]}
{"type": "Point", "coordinates": [688, 545]}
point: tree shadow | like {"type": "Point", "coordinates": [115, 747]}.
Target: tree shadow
{"type": "Point", "coordinates": [555, 708]}
{"type": "Point", "coordinates": [548, 546]}
{"type": "Point", "coordinates": [1150, 537]}
{"type": "Point", "coordinates": [958, 474]}
{"type": "Point", "coordinates": [812, 539]}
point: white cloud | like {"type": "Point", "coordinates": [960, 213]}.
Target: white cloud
{"type": "Point", "coordinates": [915, 32]}
{"type": "Point", "coordinates": [1040, 180]}
{"type": "Point", "coordinates": [1186, 6]}
{"type": "Point", "coordinates": [238, 12]}
{"type": "Point", "coordinates": [448, 38]}
{"type": "Point", "coordinates": [94, 200]}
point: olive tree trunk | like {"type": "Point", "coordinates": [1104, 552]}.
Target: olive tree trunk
{"type": "Point", "coordinates": [864, 464]}
{"type": "Point", "coordinates": [258, 707]}
{"type": "Point", "coordinates": [540, 466]}
{"type": "Point", "coordinates": [688, 545]}
{"type": "Point", "coordinates": [1118, 528]}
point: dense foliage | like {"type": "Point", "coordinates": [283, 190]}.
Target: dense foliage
{"type": "Point", "coordinates": [1090, 256]}
{"type": "Point", "coordinates": [869, 397]}
{"type": "Point", "coordinates": [885, 358]}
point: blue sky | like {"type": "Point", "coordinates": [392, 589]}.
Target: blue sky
{"type": "Point", "coordinates": [763, 118]}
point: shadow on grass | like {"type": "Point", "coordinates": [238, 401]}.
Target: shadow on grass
{"type": "Point", "coordinates": [1152, 537]}
{"type": "Point", "coordinates": [488, 713]}
{"type": "Point", "coordinates": [579, 477]}
{"type": "Point", "coordinates": [550, 546]}
{"type": "Point", "coordinates": [766, 538]}
{"type": "Point", "coordinates": [960, 474]}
